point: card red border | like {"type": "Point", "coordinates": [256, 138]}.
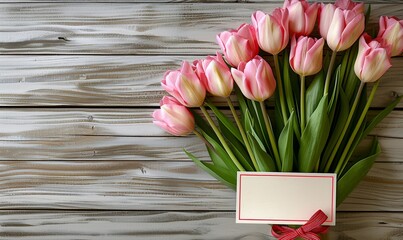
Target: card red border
{"type": "Point", "coordinates": [329, 219]}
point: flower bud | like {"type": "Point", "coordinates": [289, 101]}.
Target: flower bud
{"type": "Point", "coordinates": [255, 79]}
{"type": "Point", "coordinates": [238, 45]}
{"type": "Point", "coordinates": [215, 75]}
{"type": "Point", "coordinates": [341, 28]}
{"type": "Point", "coordinates": [391, 31]}
{"type": "Point", "coordinates": [174, 117]}
{"type": "Point", "coordinates": [373, 59]}
{"type": "Point", "coordinates": [301, 15]}
{"type": "Point", "coordinates": [271, 30]}
{"type": "Point", "coordinates": [185, 86]}
{"type": "Point", "coordinates": [306, 55]}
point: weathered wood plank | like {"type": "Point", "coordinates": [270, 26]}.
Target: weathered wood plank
{"type": "Point", "coordinates": [87, 28]}
{"type": "Point", "coordinates": [136, 225]}
{"type": "Point", "coordinates": [123, 134]}
{"type": "Point", "coordinates": [112, 80]}
{"type": "Point", "coordinates": [36, 123]}
{"type": "Point", "coordinates": [145, 185]}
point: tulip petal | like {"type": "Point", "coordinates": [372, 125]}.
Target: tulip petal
{"type": "Point", "coordinates": [335, 30]}
{"type": "Point", "coordinates": [352, 32]}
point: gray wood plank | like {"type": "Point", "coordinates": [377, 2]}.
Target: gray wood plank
{"type": "Point", "coordinates": [124, 134]}
{"type": "Point", "coordinates": [136, 225]}
{"type": "Point", "coordinates": [90, 28]}
{"type": "Point", "coordinates": [113, 80]}
{"type": "Point", "coordinates": [145, 185]}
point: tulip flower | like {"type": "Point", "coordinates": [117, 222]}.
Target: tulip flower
{"type": "Point", "coordinates": [174, 117]}
{"type": "Point", "coordinates": [341, 28]}
{"type": "Point", "coordinates": [301, 15]}
{"type": "Point", "coordinates": [306, 59]}
{"type": "Point", "coordinates": [306, 55]}
{"type": "Point", "coordinates": [373, 59]}
{"type": "Point", "coordinates": [271, 30]}
{"type": "Point", "coordinates": [185, 86]}
{"type": "Point", "coordinates": [391, 31]}
{"type": "Point", "coordinates": [238, 45]}
{"type": "Point", "coordinates": [255, 79]}
{"type": "Point", "coordinates": [350, 5]}
{"type": "Point", "coordinates": [215, 75]}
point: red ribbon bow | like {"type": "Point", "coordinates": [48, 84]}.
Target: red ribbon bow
{"type": "Point", "coordinates": [307, 231]}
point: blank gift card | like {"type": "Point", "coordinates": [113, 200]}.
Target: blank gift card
{"type": "Point", "coordinates": [285, 198]}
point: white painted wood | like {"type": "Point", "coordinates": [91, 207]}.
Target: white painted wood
{"type": "Point", "coordinates": [156, 185]}
{"type": "Point", "coordinates": [90, 28]}
{"type": "Point", "coordinates": [124, 134]}
{"type": "Point", "coordinates": [77, 161]}
{"type": "Point", "coordinates": [113, 80]}
{"type": "Point", "coordinates": [139, 225]}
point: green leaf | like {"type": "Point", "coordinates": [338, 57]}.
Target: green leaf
{"type": "Point", "coordinates": [225, 121]}
{"type": "Point", "coordinates": [278, 117]}
{"type": "Point", "coordinates": [249, 123]}
{"type": "Point", "coordinates": [344, 66]}
{"type": "Point", "coordinates": [337, 128]}
{"type": "Point", "coordinates": [351, 81]}
{"type": "Point", "coordinates": [335, 95]}
{"type": "Point", "coordinates": [219, 173]}
{"type": "Point", "coordinates": [314, 93]}
{"type": "Point", "coordinates": [352, 149]}
{"type": "Point", "coordinates": [259, 123]}
{"type": "Point", "coordinates": [314, 138]}
{"type": "Point", "coordinates": [203, 125]}
{"type": "Point", "coordinates": [356, 173]}
{"type": "Point", "coordinates": [241, 154]}
{"type": "Point", "coordinates": [290, 85]}
{"type": "Point", "coordinates": [263, 159]}
{"type": "Point", "coordinates": [286, 145]}
{"type": "Point", "coordinates": [223, 155]}
{"type": "Point", "coordinates": [381, 116]}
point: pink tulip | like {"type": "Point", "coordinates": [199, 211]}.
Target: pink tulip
{"type": "Point", "coordinates": [306, 55]}
{"type": "Point", "coordinates": [391, 31]}
{"type": "Point", "coordinates": [271, 30]}
{"type": "Point", "coordinates": [185, 86]}
{"type": "Point", "coordinates": [358, 7]}
{"type": "Point", "coordinates": [215, 75]}
{"type": "Point", "coordinates": [302, 16]}
{"type": "Point", "coordinates": [174, 117]}
{"type": "Point", "coordinates": [255, 79]}
{"type": "Point", "coordinates": [239, 45]}
{"type": "Point", "coordinates": [373, 59]}
{"type": "Point", "coordinates": [340, 27]}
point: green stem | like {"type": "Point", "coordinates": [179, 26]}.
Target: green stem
{"type": "Point", "coordinates": [221, 138]}
{"type": "Point", "coordinates": [341, 164]}
{"type": "Point", "coordinates": [340, 139]}
{"type": "Point", "coordinates": [197, 133]}
{"type": "Point", "coordinates": [329, 72]}
{"type": "Point", "coordinates": [280, 89]}
{"type": "Point", "coordinates": [243, 134]}
{"type": "Point", "coordinates": [271, 134]}
{"type": "Point", "coordinates": [302, 102]}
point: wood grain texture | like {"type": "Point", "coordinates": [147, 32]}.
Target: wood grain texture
{"type": "Point", "coordinates": [113, 80]}
{"type": "Point", "coordinates": [138, 225]}
{"type": "Point", "coordinates": [103, 28]}
{"type": "Point", "coordinates": [90, 172]}
{"type": "Point", "coordinates": [145, 185]}
{"type": "Point", "coordinates": [124, 134]}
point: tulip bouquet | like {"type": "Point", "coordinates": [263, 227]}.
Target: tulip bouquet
{"type": "Point", "coordinates": [319, 86]}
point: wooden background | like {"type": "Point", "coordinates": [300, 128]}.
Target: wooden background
{"type": "Point", "coordinates": [80, 158]}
